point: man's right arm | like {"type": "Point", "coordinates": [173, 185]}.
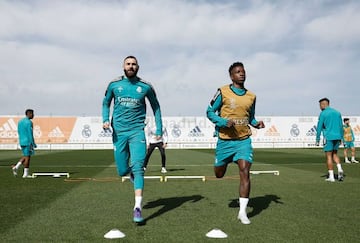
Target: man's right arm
{"type": "Point", "coordinates": [212, 111]}
{"type": "Point", "coordinates": [319, 128]}
{"type": "Point", "coordinates": [352, 135]}
{"type": "Point", "coordinates": [106, 106]}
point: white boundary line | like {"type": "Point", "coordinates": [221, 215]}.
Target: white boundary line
{"type": "Point", "coordinates": [256, 172]}
{"type": "Point", "coordinates": [172, 165]}
{"type": "Point", "coordinates": [165, 178]}
{"type": "Point", "coordinates": [124, 178]}
{"type": "Point", "coordinates": [184, 177]}
{"type": "Point", "coordinates": [55, 174]}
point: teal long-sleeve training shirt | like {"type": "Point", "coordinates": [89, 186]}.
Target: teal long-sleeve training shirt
{"type": "Point", "coordinates": [129, 111]}
{"type": "Point", "coordinates": [25, 132]}
{"type": "Point", "coordinates": [330, 124]}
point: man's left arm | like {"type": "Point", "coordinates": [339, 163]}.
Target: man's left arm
{"type": "Point", "coordinates": [252, 120]}
{"type": "Point", "coordinates": [151, 95]}
{"type": "Point", "coordinates": [352, 135]}
{"type": "Point", "coordinates": [31, 135]}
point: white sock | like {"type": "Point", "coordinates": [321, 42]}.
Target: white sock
{"type": "Point", "coordinates": [331, 174]}
{"type": "Point", "coordinates": [243, 204]}
{"type": "Point", "coordinates": [17, 166]}
{"type": "Point", "coordinates": [339, 167]}
{"type": "Point", "coordinates": [138, 200]}
{"type": "Point", "coordinates": [352, 157]}
{"type": "Point", "coordinates": [26, 171]}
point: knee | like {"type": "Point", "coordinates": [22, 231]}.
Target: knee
{"type": "Point", "coordinates": [219, 172]}
{"type": "Point", "coordinates": [122, 171]}
{"type": "Point", "coordinates": [245, 174]}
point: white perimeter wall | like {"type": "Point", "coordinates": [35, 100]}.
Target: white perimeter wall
{"type": "Point", "coordinates": [183, 132]}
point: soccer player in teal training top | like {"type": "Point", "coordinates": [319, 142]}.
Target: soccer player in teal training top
{"type": "Point", "coordinates": [128, 122]}
{"type": "Point", "coordinates": [232, 110]}
{"type": "Point", "coordinates": [27, 143]}
{"type": "Point", "coordinates": [330, 125]}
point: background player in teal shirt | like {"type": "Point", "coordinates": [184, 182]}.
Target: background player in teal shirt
{"type": "Point", "coordinates": [330, 125]}
{"type": "Point", "coordinates": [26, 141]}
{"type": "Point", "coordinates": [128, 121]}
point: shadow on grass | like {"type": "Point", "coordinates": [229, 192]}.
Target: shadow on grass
{"type": "Point", "coordinates": [258, 204]}
{"type": "Point", "coordinates": [169, 170]}
{"type": "Point", "coordinates": [172, 170]}
{"type": "Point", "coordinates": [170, 203]}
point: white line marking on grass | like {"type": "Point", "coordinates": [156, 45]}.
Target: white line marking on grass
{"type": "Point", "coordinates": [53, 174]}
{"type": "Point", "coordinates": [256, 163]}
{"type": "Point", "coordinates": [145, 177]}
{"type": "Point", "coordinates": [113, 166]}
{"type": "Point", "coordinates": [184, 177]}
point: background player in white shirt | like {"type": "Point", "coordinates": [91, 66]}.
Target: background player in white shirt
{"type": "Point", "coordinates": [153, 142]}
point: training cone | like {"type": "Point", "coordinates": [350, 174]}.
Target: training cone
{"type": "Point", "coordinates": [114, 234]}
{"type": "Point", "coordinates": [216, 233]}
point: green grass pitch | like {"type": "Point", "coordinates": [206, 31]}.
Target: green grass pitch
{"type": "Point", "coordinates": [296, 206]}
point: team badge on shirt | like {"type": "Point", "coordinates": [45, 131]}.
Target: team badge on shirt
{"type": "Point", "coordinates": [139, 89]}
{"type": "Point", "coordinates": [233, 103]}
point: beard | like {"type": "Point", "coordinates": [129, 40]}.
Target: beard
{"type": "Point", "coordinates": [130, 73]}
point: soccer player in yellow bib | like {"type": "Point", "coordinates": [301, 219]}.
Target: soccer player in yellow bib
{"type": "Point", "coordinates": [232, 110]}
{"type": "Point", "coordinates": [348, 141]}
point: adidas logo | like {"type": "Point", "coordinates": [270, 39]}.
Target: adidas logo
{"type": "Point", "coordinates": [56, 133]}
{"type": "Point", "coordinates": [105, 133]}
{"type": "Point", "coordinates": [312, 131]}
{"type": "Point", "coordinates": [196, 132]}
{"type": "Point", "coordinates": [272, 131]}
{"type": "Point", "coordinates": [9, 129]}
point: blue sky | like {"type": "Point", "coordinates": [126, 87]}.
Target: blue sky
{"type": "Point", "coordinates": [57, 57]}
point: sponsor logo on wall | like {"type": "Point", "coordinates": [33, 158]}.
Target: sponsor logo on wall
{"type": "Point", "coordinates": [356, 130]}
{"type": "Point", "coordinates": [176, 131]}
{"type": "Point", "coordinates": [196, 132]}
{"type": "Point", "coordinates": [272, 131]}
{"type": "Point", "coordinates": [86, 131]}
{"type": "Point", "coordinates": [294, 131]}
{"type": "Point", "coordinates": [312, 131]}
{"type": "Point", "coordinates": [56, 133]}
{"type": "Point", "coordinates": [45, 129]}
{"type": "Point", "coordinates": [9, 129]}
{"type": "Point", "coordinates": [105, 133]}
